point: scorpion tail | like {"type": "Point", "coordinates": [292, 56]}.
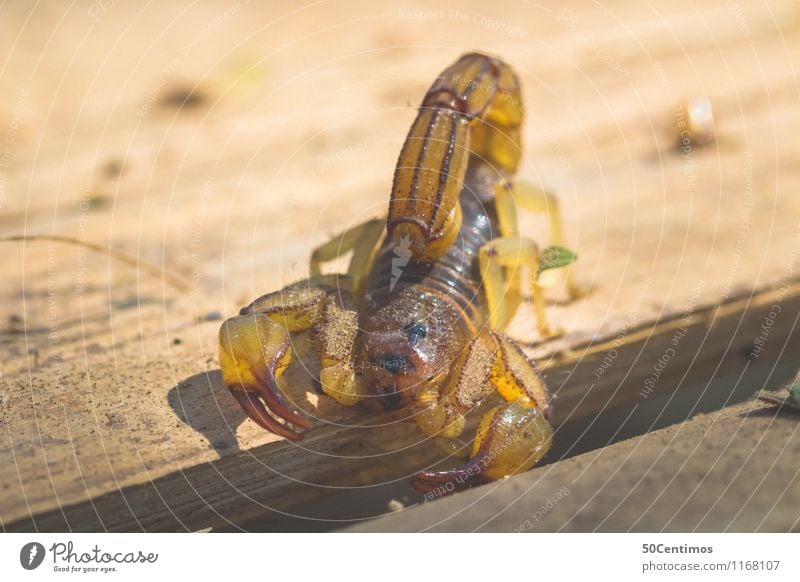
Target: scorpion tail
{"type": "Point", "coordinates": [472, 111]}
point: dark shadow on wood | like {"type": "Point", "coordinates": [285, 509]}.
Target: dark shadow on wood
{"type": "Point", "coordinates": [203, 403]}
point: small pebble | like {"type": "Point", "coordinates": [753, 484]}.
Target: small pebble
{"type": "Point", "coordinates": [699, 121]}
{"type": "Point", "coordinates": [112, 168]}
{"type": "Point", "coordinates": [182, 97]}
{"type": "Point", "coordinates": [212, 316]}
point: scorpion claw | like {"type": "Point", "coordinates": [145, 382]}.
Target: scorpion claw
{"type": "Point", "coordinates": [271, 397]}
{"type": "Point", "coordinates": [256, 410]}
{"type": "Point", "coordinates": [511, 439]}
{"type": "Point", "coordinates": [445, 482]}
{"type": "Point", "coordinates": [254, 350]}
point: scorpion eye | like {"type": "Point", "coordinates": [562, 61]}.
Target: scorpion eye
{"type": "Point", "coordinates": [415, 332]}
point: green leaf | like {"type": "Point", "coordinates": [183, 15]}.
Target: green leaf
{"type": "Point", "coordinates": [556, 257]}
{"type": "Point", "coordinates": [794, 392]}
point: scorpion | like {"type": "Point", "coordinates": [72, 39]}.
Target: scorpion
{"type": "Point", "coordinates": [417, 321]}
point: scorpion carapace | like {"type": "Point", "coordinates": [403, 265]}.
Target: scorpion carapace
{"type": "Point", "coordinates": [416, 323]}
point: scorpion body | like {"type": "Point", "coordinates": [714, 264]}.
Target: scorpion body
{"type": "Point", "coordinates": [454, 275]}
{"type": "Point", "coordinates": [416, 324]}
{"type": "Point", "coordinates": [445, 296]}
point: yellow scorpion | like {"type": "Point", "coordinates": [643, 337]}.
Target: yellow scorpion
{"type": "Point", "coordinates": [418, 319]}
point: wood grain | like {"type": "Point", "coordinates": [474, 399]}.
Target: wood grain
{"type": "Point", "coordinates": [731, 471]}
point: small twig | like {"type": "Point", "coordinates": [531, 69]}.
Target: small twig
{"type": "Point", "coordinates": [176, 282]}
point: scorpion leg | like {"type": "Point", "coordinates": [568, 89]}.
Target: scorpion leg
{"type": "Point", "coordinates": [363, 240]}
{"type": "Point", "coordinates": [511, 438]}
{"type": "Point", "coordinates": [496, 135]}
{"type": "Point", "coordinates": [335, 338]}
{"type": "Point", "coordinates": [496, 258]}
{"type": "Point", "coordinates": [255, 349]}
{"type": "Point", "coordinates": [534, 199]}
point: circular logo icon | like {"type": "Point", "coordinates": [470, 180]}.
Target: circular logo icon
{"type": "Point", "coordinates": [31, 555]}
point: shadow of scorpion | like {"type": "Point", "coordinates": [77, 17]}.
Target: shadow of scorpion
{"type": "Point", "coordinates": [417, 320]}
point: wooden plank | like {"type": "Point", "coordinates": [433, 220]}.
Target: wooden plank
{"type": "Point", "coordinates": [731, 471]}
{"type": "Point", "coordinates": [229, 491]}
{"type": "Point", "coordinates": [114, 416]}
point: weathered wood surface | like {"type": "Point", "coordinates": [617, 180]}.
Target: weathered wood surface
{"type": "Point", "coordinates": [114, 416]}
{"type": "Point", "coordinates": [731, 471]}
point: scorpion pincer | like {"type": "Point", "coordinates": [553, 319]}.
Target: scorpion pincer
{"type": "Point", "coordinates": [417, 322]}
